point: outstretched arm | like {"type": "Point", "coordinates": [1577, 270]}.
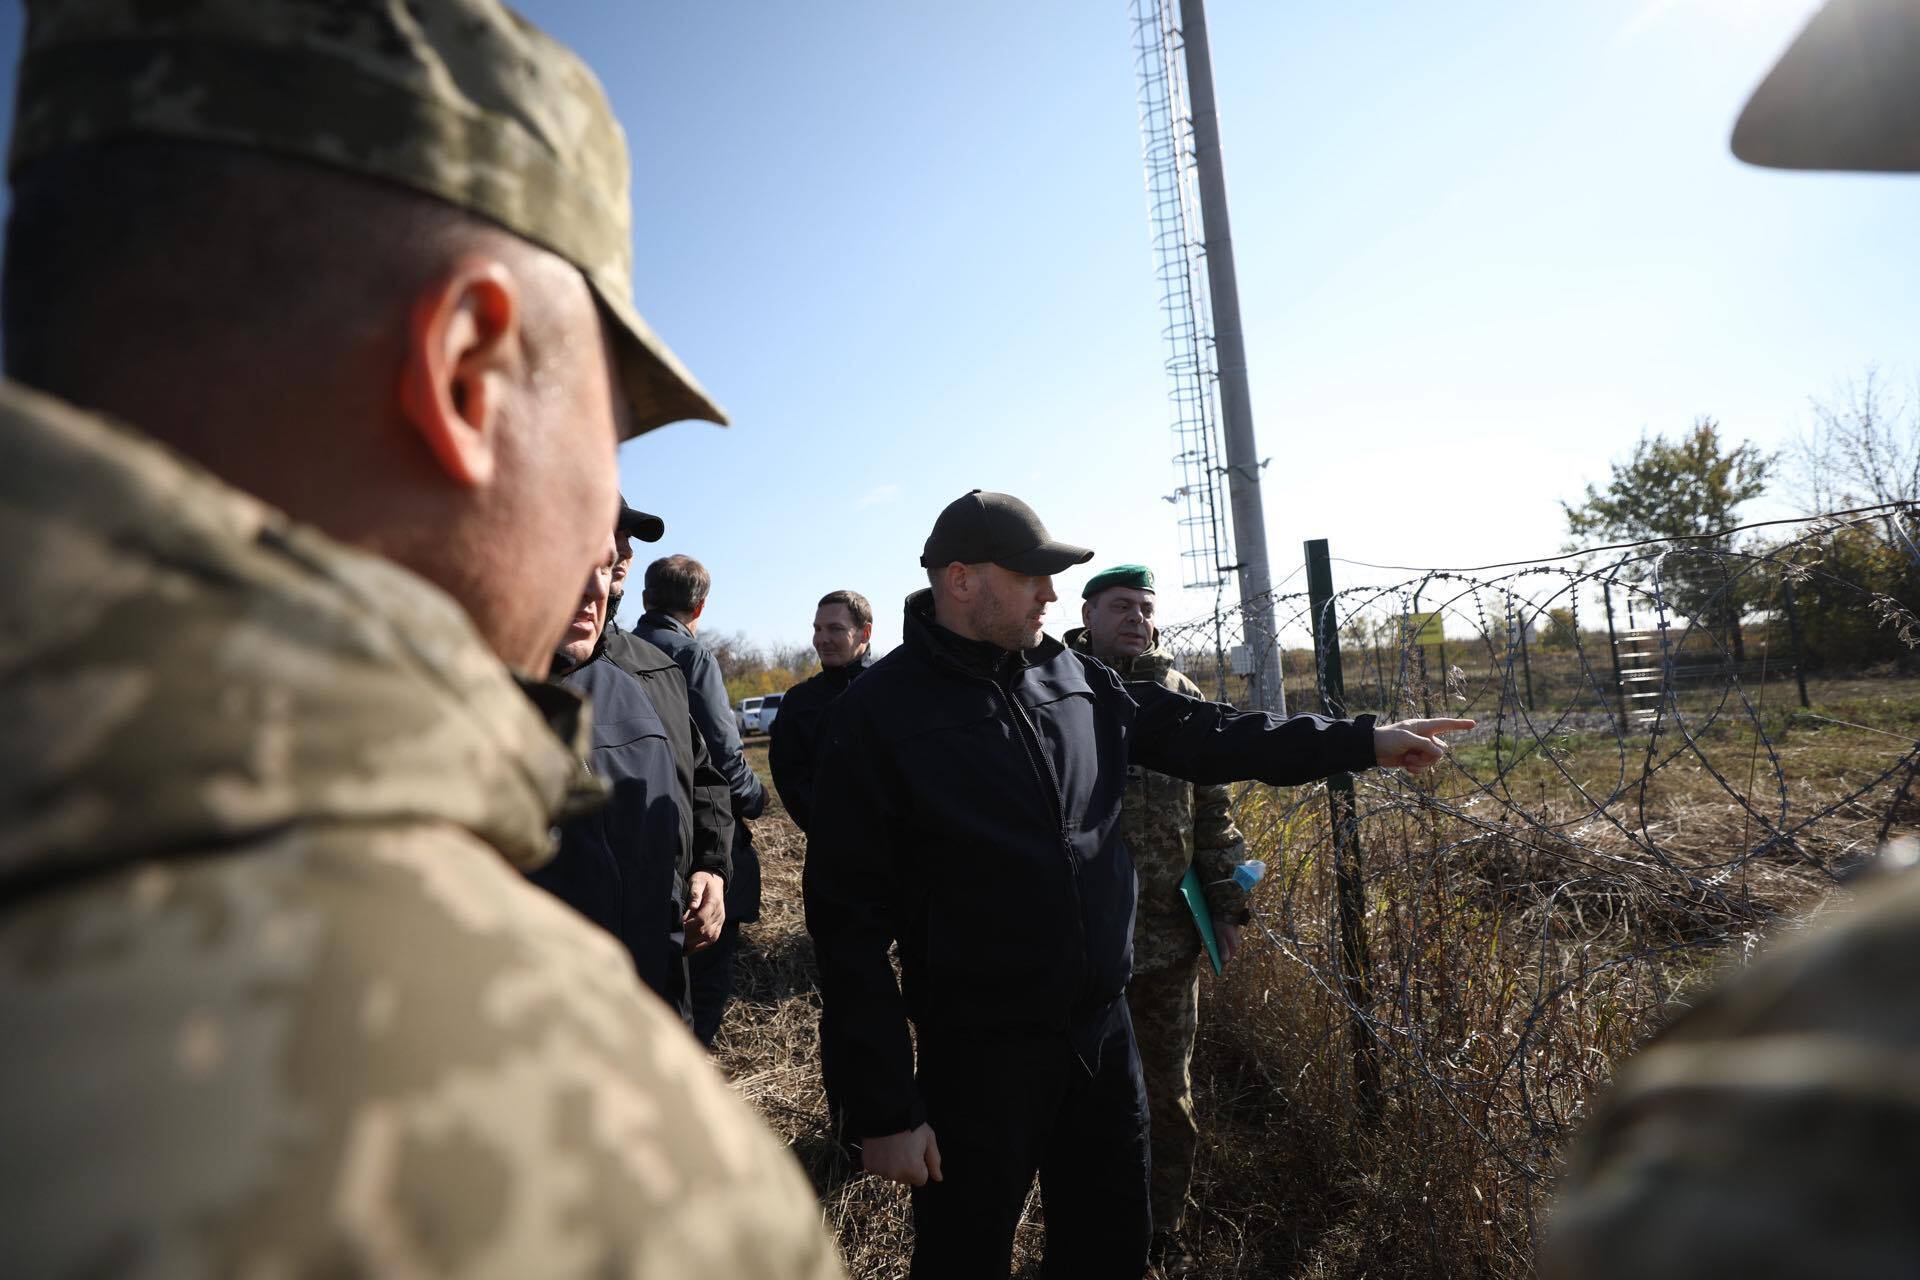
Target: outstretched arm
{"type": "Point", "coordinates": [1211, 742]}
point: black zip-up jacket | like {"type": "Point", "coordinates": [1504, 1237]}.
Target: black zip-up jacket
{"type": "Point", "coordinates": [709, 826]}
{"type": "Point", "coordinates": [793, 753]}
{"type": "Point", "coordinates": [968, 807]}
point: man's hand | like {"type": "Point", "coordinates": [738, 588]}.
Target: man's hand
{"type": "Point", "coordinates": [706, 910]}
{"type": "Point", "coordinates": [1413, 744]}
{"type": "Point", "coordinates": [1228, 936]}
{"type": "Point", "coordinates": [912, 1157]}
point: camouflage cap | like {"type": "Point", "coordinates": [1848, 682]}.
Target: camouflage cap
{"type": "Point", "coordinates": [460, 99]}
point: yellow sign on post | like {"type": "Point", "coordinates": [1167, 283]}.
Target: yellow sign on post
{"type": "Point", "coordinates": [1426, 628]}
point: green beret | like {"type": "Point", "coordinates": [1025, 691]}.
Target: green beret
{"type": "Point", "coordinates": [1137, 576]}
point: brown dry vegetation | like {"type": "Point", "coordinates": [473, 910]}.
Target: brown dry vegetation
{"type": "Point", "coordinates": [1522, 939]}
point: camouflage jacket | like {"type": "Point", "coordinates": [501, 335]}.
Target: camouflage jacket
{"type": "Point", "coordinates": [1171, 824]}
{"type": "Point", "coordinates": [277, 999]}
{"type": "Point", "coordinates": [1774, 1130]}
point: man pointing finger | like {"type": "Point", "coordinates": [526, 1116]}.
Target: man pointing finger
{"type": "Point", "coordinates": [971, 784]}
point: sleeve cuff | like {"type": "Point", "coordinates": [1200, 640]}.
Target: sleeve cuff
{"type": "Point", "coordinates": [1356, 754]}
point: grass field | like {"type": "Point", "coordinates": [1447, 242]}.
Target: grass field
{"type": "Point", "coordinates": [1532, 913]}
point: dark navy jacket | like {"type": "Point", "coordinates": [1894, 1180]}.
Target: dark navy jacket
{"type": "Point", "coordinates": [793, 754]}
{"type": "Point", "coordinates": [968, 806]}
{"type": "Point", "coordinates": [709, 825]}
{"type": "Point", "coordinates": [714, 714]}
{"type": "Point", "coordinates": [618, 866]}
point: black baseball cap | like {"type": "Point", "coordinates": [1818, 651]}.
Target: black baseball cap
{"type": "Point", "coordinates": [985, 527]}
{"type": "Point", "coordinates": [1845, 95]}
{"type": "Point", "coordinates": [638, 523]}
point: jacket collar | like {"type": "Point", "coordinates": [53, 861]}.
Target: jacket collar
{"type": "Point", "coordinates": [851, 672]}
{"type": "Point", "coordinates": [665, 622]}
{"type": "Point", "coordinates": [1151, 665]}
{"type": "Point", "coordinates": [559, 665]}
{"type": "Point", "coordinates": [978, 658]}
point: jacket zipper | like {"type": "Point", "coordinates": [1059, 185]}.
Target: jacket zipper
{"type": "Point", "coordinates": [1030, 741]}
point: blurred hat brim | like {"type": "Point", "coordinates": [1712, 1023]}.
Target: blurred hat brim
{"type": "Point", "coordinates": [1844, 96]}
{"type": "Point", "coordinates": [659, 388]}
{"type": "Point", "coordinates": [639, 524]}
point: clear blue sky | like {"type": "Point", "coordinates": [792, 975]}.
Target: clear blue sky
{"type": "Point", "coordinates": [1482, 246]}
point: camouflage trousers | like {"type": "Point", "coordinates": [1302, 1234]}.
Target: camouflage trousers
{"type": "Point", "coordinates": [1166, 1015]}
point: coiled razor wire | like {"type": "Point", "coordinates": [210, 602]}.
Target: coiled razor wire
{"type": "Point", "coordinates": [1607, 832]}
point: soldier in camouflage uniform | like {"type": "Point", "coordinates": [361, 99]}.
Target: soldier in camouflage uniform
{"type": "Point", "coordinates": [1774, 1130]}
{"type": "Point", "coordinates": [277, 999]}
{"type": "Point", "coordinates": [1169, 825]}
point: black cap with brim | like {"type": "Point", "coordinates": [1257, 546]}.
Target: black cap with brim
{"type": "Point", "coordinates": [1048, 558]}
{"type": "Point", "coordinates": [1845, 95]}
{"type": "Point", "coordinates": [981, 527]}
{"type": "Point", "coordinates": [639, 524]}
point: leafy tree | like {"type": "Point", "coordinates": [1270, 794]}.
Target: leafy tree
{"type": "Point", "coordinates": [1688, 488]}
{"type": "Point", "coordinates": [1864, 450]}
{"type": "Point", "coordinates": [1857, 594]}
{"type": "Point", "coordinates": [1671, 489]}
{"type": "Point", "coordinates": [1556, 630]}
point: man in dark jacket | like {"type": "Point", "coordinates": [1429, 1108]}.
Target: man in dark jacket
{"type": "Point", "coordinates": [619, 866]}
{"type": "Point", "coordinates": [675, 594]}
{"type": "Point", "coordinates": [842, 632]}
{"type": "Point", "coordinates": [968, 808]}
{"type": "Point", "coordinates": [708, 828]}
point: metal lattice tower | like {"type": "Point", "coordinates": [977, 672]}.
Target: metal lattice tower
{"type": "Point", "coordinates": [1180, 266]}
{"type": "Point", "coordinates": [1222, 521]}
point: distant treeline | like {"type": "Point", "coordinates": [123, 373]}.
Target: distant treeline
{"type": "Point", "coordinates": [752, 669]}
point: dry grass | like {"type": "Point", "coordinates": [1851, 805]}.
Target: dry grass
{"type": "Point", "coordinates": [1522, 940]}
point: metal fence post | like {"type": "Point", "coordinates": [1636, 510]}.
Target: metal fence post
{"type": "Point", "coordinates": [1350, 889]}
{"type": "Point", "coordinates": [1526, 662]}
{"type": "Point", "coordinates": [1613, 643]}
{"type": "Point", "coordinates": [1420, 652]}
{"type": "Point", "coordinates": [1793, 634]}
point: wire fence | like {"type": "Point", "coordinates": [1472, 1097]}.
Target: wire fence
{"type": "Point", "coordinates": [1677, 746]}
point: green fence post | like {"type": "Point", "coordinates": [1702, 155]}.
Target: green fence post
{"type": "Point", "coordinates": [1350, 889]}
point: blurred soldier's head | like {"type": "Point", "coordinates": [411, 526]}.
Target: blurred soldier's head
{"type": "Point", "coordinates": [630, 525]}
{"type": "Point", "coordinates": [842, 628]}
{"type": "Point", "coordinates": [990, 562]}
{"type": "Point", "coordinates": [677, 585]}
{"type": "Point", "coordinates": [371, 263]}
{"type": "Point", "coordinates": [1117, 609]}
{"type": "Point", "coordinates": [590, 613]}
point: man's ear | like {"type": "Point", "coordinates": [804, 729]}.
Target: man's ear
{"type": "Point", "coordinates": [699, 609]}
{"type": "Point", "coordinates": [463, 347]}
{"type": "Point", "coordinates": [1086, 613]}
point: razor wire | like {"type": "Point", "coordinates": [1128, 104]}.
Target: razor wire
{"type": "Point", "coordinates": [1644, 795]}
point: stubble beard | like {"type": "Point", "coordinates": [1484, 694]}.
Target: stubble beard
{"type": "Point", "coordinates": [1008, 629]}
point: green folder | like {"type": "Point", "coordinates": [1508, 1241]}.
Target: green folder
{"type": "Point", "coordinates": [1202, 918]}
